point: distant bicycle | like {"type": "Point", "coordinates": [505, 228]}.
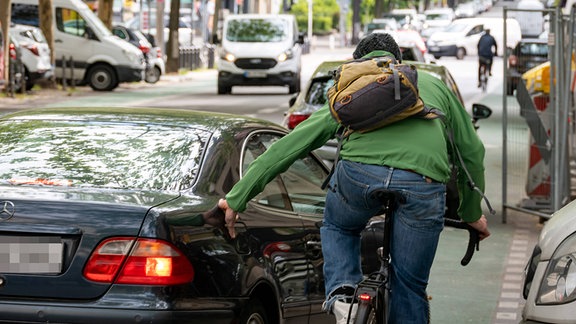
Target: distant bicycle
{"type": "Point", "coordinates": [483, 71]}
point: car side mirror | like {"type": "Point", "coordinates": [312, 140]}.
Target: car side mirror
{"type": "Point", "coordinates": [89, 33]}
{"type": "Point", "coordinates": [215, 39]}
{"type": "Point", "coordinates": [301, 37]}
{"type": "Point", "coordinates": [480, 111]}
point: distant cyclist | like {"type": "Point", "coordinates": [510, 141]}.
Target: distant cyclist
{"type": "Point", "coordinates": [485, 53]}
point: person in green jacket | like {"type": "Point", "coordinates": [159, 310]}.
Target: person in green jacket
{"type": "Point", "coordinates": [411, 157]}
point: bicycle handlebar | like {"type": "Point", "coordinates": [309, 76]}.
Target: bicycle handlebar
{"type": "Point", "coordinates": [473, 238]}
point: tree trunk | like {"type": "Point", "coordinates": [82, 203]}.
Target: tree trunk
{"type": "Point", "coordinates": [172, 48]}
{"type": "Point", "coordinates": [105, 12]}
{"type": "Point", "coordinates": [47, 27]}
{"type": "Point", "coordinates": [5, 24]}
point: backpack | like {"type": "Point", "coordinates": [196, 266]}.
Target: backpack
{"type": "Point", "coordinates": [370, 93]}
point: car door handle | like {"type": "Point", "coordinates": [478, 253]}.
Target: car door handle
{"type": "Point", "coordinates": [315, 244]}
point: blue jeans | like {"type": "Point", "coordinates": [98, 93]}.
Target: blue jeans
{"type": "Point", "coordinates": [416, 227]}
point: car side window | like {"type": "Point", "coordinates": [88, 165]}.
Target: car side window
{"type": "Point", "coordinates": [297, 189]}
{"type": "Point", "coordinates": [120, 33]}
{"type": "Point", "coordinates": [70, 22]}
{"type": "Point", "coordinates": [476, 30]}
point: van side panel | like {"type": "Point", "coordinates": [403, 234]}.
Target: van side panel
{"type": "Point", "coordinates": [75, 46]}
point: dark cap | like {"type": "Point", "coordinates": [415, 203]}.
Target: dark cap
{"type": "Point", "coordinates": [378, 42]}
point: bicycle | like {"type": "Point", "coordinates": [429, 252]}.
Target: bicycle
{"type": "Point", "coordinates": [373, 293]}
{"type": "Point", "coordinates": [483, 70]}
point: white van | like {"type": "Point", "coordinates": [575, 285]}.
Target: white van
{"type": "Point", "coordinates": [460, 38]}
{"type": "Point", "coordinates": [100, 59]}
{"type": "Point", "coordinates": [531, 22]}
{"type": "Point", "coordinates": [259, 50]}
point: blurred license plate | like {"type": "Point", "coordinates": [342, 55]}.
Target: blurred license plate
{"type": "Point", "coordinates": [255, 74]}
{"type": "Point", "coordinates": [30, 254]}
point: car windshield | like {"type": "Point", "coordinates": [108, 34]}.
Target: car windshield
{"type": "Point", "coordinates": [257, 30]}
{"type": "Point", "coordinates": [455, 28]}
{"type": "Point", "coordinates": [100, 155]}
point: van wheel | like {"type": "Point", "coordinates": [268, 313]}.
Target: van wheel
{"type": "Point", "coordinates": [460, 53]}
{"type": "Point", "coordinates": [223, 89]}
{"type": "Point", "coordinates": [152, 74]}
{"type": "Point", "coordinates": [437, 57]}
{"type": "Point", "coordinates": [102, 78]}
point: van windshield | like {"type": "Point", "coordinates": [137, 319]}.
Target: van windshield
{"type": "Point", "coordinates": [257, 30]}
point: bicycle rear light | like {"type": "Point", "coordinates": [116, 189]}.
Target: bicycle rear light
{"type": "Point", "coordinates": [365, 297]}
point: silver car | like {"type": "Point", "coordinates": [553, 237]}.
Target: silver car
{"type": "Point", "coordinates": [550, 275]}
{"type": "Point", "coordinates": [35, 53]}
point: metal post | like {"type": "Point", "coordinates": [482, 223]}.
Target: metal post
{"type": "Point", "coordinates": [504, 128]}
{"type": "Point", "coordinates": [64, 73]}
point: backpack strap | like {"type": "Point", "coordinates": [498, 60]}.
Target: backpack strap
{"type": "Point", "coordinates": [471, 184]}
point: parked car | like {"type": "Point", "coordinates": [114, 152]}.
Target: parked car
{"type": "Point", "coordinates": [35, 53]}
{"type": "Point", "coordinates": [436, 19]}
{"type": "Point", "coordinates": [155, 65]}
{"type": "Point", "coordinates": [529, 53]}
{"type": "Point", "coordinates": [16, 82]}
{"type": "Point", "coordinates": [106, 216]}
{"type": "Point", "coordinates": [184, 29]}
{"type": "Point", "coordinates": [550, 275]}
{"type": "Point", "coordinates": [386, 24]}
{"type": "Point", "coordinates": [466, 10]}
{"type": "Point", "coordinates": [313, 96]}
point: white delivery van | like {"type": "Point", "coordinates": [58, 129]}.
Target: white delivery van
{"type": "Point", "coordinates": [460, 38]}
{"type": "Point", "coordinates": [259, 50]}
{"type": "Point", "coordinates": [99, 58]}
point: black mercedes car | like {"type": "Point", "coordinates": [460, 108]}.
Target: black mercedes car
{"type": "Point", "coordinates": [106, 217]}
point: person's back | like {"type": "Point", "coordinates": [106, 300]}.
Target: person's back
{"type": "Point", "coordinates": [487, 46]}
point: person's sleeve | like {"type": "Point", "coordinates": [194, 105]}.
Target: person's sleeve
{"type": "Point", "coordinates": [472, 151]}
{"type": "Point", "coordinates": [306, 137]}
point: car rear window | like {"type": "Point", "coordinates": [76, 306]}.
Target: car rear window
{"type": "Point", "coordinates": [100, 155]}
{"type": "Point", "coordinates": [534, 49]}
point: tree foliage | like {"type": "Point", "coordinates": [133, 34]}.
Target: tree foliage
{"type": "Point", "coordinates": [325, 15]}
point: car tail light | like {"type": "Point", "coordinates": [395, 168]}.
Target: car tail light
{"type": "Point", "coordinates": [295, 119]}
{"type": "Point", "coordinates": [159, 53]}
{"type": "Point", "coordinates": [512, 60]}
{"type": "Point", "coordinates": [12, 50]}
{"type": "Point", "coordinates": [33, 48]}
{"type": "Point", "coordinates": [126, 260]}
{"type": "Point", "coordinates": [145, 49]}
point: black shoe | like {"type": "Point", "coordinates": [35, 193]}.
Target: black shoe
{"type": "Point", "coordinates": [490, 73]}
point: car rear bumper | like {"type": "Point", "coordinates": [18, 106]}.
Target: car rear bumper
{"type": "Point", "coordinates": [283, 78]}
{"type": "Point", "coordinates": [130, 74]}
{"type": "Point", "coordinates": [449, 50]}
{"type": "Point", "coordinates": [75, 314]}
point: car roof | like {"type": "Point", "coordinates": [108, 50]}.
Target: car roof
{"type": "Point", "coordinates": [214, 122]}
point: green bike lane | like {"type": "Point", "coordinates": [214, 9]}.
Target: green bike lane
{"type": "Point", "coordinates": [489, 289]}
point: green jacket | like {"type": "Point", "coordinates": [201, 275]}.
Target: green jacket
{"type": "Point", "coordinates": [411, 144]}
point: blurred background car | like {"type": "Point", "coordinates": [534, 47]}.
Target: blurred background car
{"type": "Point", "coordinates": [185, 32]}
{"type": "Point", "coordinates": [35, 53]}
{"type": "Point", "coordinates": [385, 24]}
{"type": "Point", "coordinates": [549, 285]}
{"type": "Point", "coordinates": [528, 53]}
{"type": "Point", "coordinates": [155, 65]}
{"type": "Point", "coordinates": [466, 10]}
{"type": "Point", "coordinates": [436, 19]}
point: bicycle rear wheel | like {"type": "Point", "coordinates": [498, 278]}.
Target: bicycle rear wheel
{"type": "Point", "coordinates": [365, 314]}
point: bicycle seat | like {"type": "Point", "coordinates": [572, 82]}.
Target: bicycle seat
{"type": "Point", "coordinates": [385, 195]}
